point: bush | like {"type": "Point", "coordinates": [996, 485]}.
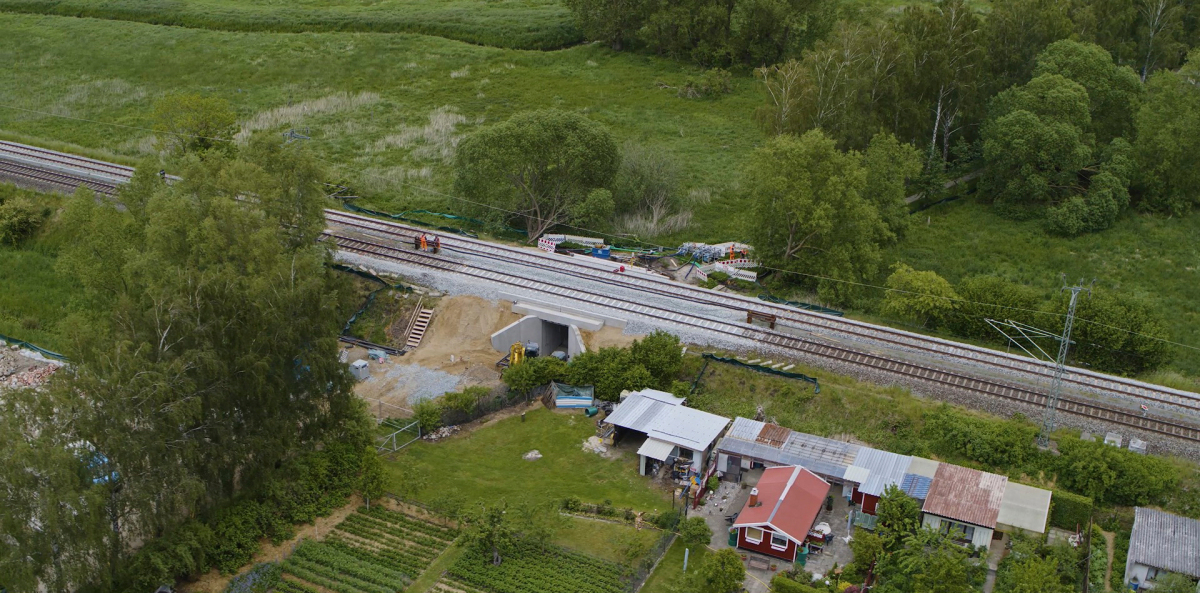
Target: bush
{"type": "Point", "coordinates": [534, 372]}
{"type": "Point", "coordinates": [19, 219]}
{"type": "Point", "coordinates": [1069, 511]}
{"type": "Point", "coordinates": [236, 533]}
{"type": "Point", "coordinates": [713, 82]}
{"type": "Point", "coordinates": [782, 584]}
{"type": "Point", "coordinates": [610, 371]}
{"type": "Point", "coordinates": [428, 414]}
{"type": "Point", "coordinates": [182, 552]}
{"type": "Point", "coordinates": [991, 297]}
{"type": "Point", "coordinates": [1003, 444]}
{"type": "Point", "coordinates": [661, 354]}
{"type": "Point", "coordinates": [1112, 475]}
{"type": "Point", "coordinates": [1116, 333]}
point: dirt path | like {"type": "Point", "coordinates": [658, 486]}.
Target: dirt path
{"type": "Point", "coordinates": [1108, 542]}
{"type": "Point", "coordinates": [215, 581]}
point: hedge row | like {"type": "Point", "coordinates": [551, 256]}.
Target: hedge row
{"type": "Point", "coordinates": [304, 488]}
{"type": "Point", "coordinates": [1069, 511]}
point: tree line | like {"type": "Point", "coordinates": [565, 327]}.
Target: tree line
{"type": "Point", "coordinates": [204, 403]}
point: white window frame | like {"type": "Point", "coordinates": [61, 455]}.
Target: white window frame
{"type": "Point", "coordinates": [746, 534]}
{"type": "Point", "coordinates": [947, 527]}
{"type": "Point", "coordinates": [775, 536]}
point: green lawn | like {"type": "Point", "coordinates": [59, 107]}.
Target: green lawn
{"type": "Point", "coordinates": [385, 110]}
{"type": "Point", "coordinates": [526, 24]}
{"type": "Point", "coordinates": [669, 576]}
{"type": "Point", "coordinates": [486, 465]}
{"type": "Point", "coordinates": [601, 539]}
{"type": "Point", "coordinates": [34, 296]}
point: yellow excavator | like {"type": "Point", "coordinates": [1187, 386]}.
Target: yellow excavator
{"type": "Point", "coordinates": [516, 354]}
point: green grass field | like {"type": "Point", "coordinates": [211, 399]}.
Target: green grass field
{"type": "Point", "coordinates": [1149, 256]}
{"type": "Point", "coordinates": [522, 24]}
{"type": "Point", "coordinates": [384, 110]}
{"type": "Point", "coordinates": [33, 295]}
{"type": "Point", "coordinates": [486, 465]}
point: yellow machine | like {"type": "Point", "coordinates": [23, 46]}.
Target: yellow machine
{"type": "Point", "coordinates": [516, 354]}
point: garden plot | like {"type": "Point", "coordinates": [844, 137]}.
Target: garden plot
{"type": "Point", "coordinates": [372, 551]}
{"type": "Point", "coordinates": [533, 568]}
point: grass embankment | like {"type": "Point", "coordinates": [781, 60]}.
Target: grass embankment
{"type": "Point", "coordinates": [522, 24]}
{"type": "Point", "coordinates": [1148, 256]}
{"type": "Point", "coordinates": [385, 110]}
{"type": "Point", "coordinates": [34, 296]}
{"type": "Point", "coordinates": [486, 465]}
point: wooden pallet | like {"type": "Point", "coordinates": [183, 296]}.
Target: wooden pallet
{"type": "Point", "coordinates": [418, 329]}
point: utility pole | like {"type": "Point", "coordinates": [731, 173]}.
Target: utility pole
{"type": "Point", "coordinates": [1059, 368]}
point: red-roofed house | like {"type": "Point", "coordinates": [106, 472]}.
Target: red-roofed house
{"type": "Point", "coordinates": [781, 511]}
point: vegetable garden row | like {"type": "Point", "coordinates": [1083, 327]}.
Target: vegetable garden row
{"type": "Point", "coordinates": [372, 551]}
{"type": "Point", "coordinates": [534, 568]}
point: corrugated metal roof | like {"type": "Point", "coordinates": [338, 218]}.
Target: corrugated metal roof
{"type": "Point", "coordinates": [1024, 507]}
{"type": "Point", "coordinates": [923, 467]}
{"type": "Point", "coordinates": [661, 396]}
{"type": "Point", "coordinates": [916, 486]}
{"type": "Point", "coordinates": [656, 449]}
{"type": "Point", "coordinates": [759, 451]}
{"type": "Point", "coordinates": [745, 429]}
{"type": "Point", "coordinates": [885, 468]}
{"type": "Point", "coordinates": [821, 448]}
{"type": "Point", "coordinates": [637, 412]}
{"type": "Point", "coordinates": [966, 495]}
{"type": "Point", "coordinates": [1165, 541]}
{"type": "Point", "coordinates": [687, 427]}
{"type": "Point", "coordinates": [773, 435]}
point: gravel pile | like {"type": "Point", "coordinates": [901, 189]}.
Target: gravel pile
{"type": "Point", "coordinates": [423, 383]}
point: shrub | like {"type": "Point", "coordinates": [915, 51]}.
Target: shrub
{"type": "Point", "coordinates": [610, 371]}
{"type": "Point", "coordinates": [19, 219]}
{"type": "Point", "coordinates": [1007, 443]}
{"type": "Point", "coordinates": [428, 414]}
{"type": "Point", "coordinates": [918, 295]}
{"type": "Point", "coordinates": [534, 372]}
{"type": "Point", "coordinates": [182, 552]}
{"type": "Point", "coordinates": [1069, 511]}
{"type": "Point", "coordinates": [713, 82]}
{"type": "Point", "coordinates": [661, 354]}
{"type": "Point", "coordinates": [991, 297]}
{"type": "Point", "coordinates": [236, 532]}
{"type": "Point", "coordinates": [782, 584]}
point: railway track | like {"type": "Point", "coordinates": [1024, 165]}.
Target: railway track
{"type": "Point", "coordinates": [786, 342]}
{"type": "Point", "coordinates": [807, 320]}
{"type": "Point", "coordinates": [63, 170]}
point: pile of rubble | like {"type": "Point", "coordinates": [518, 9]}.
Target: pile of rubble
{"type": "Point", "coordinates": [444, 432]}
{"type": "Point", "coordinates": [18, 369]}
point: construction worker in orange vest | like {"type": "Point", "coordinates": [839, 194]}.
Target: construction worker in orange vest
{"type": "Point", "coordinates": [424, 243]}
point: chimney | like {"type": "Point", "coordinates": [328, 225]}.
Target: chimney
{"type": "Point", "coordinates": [754, 497]}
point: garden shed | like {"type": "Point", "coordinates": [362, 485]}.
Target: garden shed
{"type": "Point", "coordinates": [672, 430]}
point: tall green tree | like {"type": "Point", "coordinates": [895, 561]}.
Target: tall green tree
{"type": "Point", "coordinates": [722, 572]}
{"type": "Point", "coordinates": [890, 165]}
{"type": "Point", "coordinates": [927, 562]}
{"type": "Point", "coordinates": [1167, 149]}
{"type": "Point", "coordinates": [1018, 30]}
{"type": "Point", "coordinates": [809, 211]}
{"type": "Point", "coordinates": [487, 529]}
{"type": "Point", "coordinates": [1114, 92]}
{"type": "Point", "coordinates": [614, 22]}
{"type": "Point", "coordinates": [537, 169]}
{"type": "Point", "coordinates": [661, 354]}
{"type": "Point", "coordinates": [204, 347]}
{"type": "Point", "coordinates": [194, 123]}
{"type": "Point", "coordinates": [899, 516]}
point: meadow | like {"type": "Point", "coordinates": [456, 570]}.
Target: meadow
{"type": "Point", "coordinates": [385, 111]}
{"type": "Point", "coordinates": [520, 24]}
{"type": "Point", "coordinates": [35, 296]}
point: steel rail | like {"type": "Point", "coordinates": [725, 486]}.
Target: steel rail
{"type": "Point", "coordinates": [780, 340]}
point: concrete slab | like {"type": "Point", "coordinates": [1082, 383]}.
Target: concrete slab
{"type": "Point", "coordinates": [560, 317]}
{"type": "Point", "coordinates": [607, 319]}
